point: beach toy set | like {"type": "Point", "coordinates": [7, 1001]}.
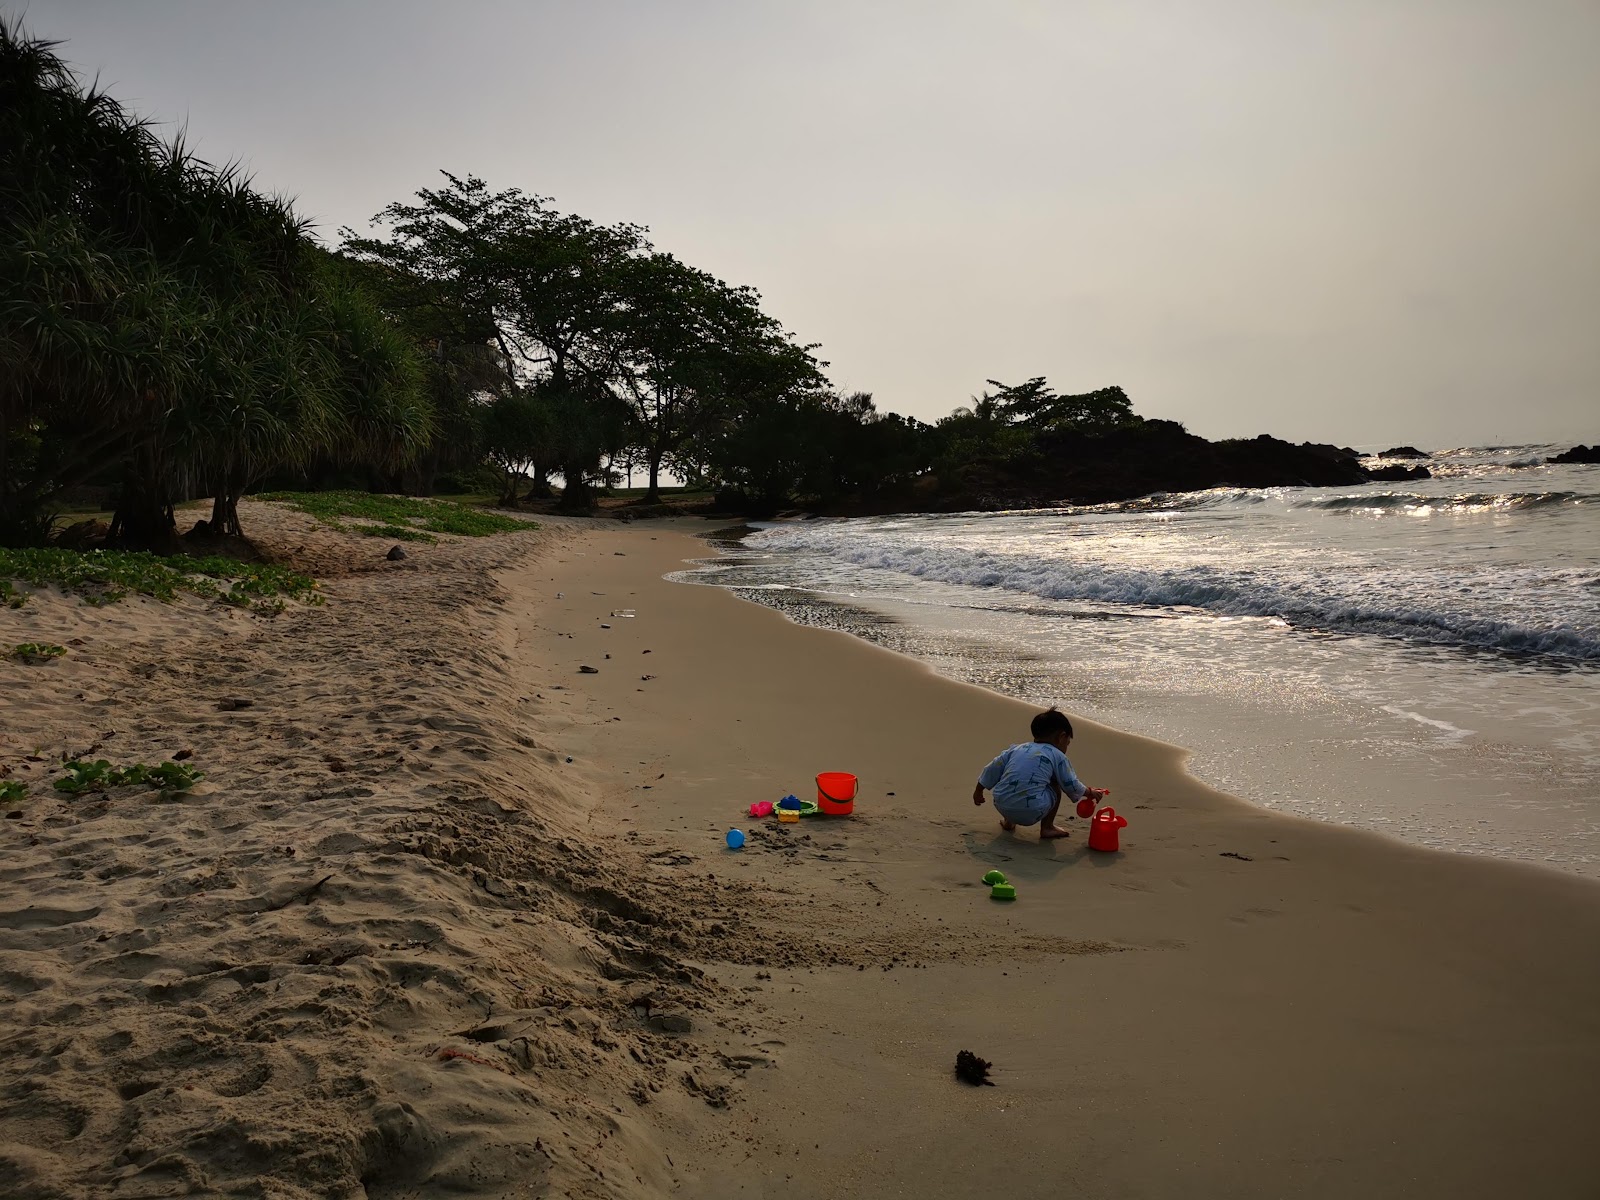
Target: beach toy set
{"type": "Point", "coordinates": [1104, 828]}
{"type": "Point", "coordinates": [1000, 888]}
{"type": "Point", "coordinates": [836, 797]}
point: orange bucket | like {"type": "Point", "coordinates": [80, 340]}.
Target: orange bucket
{"type": "Point", "coordinates": [836, 793]}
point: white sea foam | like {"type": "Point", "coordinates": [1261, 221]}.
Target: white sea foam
{"type": "Point", "coordinates": [1387, 602]}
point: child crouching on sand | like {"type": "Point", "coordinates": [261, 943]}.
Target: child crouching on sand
{"type": "Point", "coordinates": [1028, 779]}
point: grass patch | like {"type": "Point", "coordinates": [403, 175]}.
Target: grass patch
{"type": "Point", "coordinates": [12, 790]}
{"type": "Point", "coordinates": [400, 533]}
{"type": "Point", "coordinates": [403, 517]}
{"type": "Point", "coordinates": [36, 652]}
{"type": "Point", "coordinates": [100, 775]}
{"type": "Point", "coordinates": [106, 576]}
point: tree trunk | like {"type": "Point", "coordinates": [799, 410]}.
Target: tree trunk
{"type": "Point", "coordinates": [225, 512]}
{"type": "Point", "coordinates": [508, 490]}
{"type": "Point", "coordinates": [143, 519]}
{"type": "Point", "coordinates": [539, 489]}
{"type": "Point", "coordinates": [653, 496]}
{"type": "Point", "coordinates": [576, 496]}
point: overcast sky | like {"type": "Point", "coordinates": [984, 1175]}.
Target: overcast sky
{"type": "Point", "coordinates": [1350, 221]}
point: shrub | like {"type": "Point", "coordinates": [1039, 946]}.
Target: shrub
{"type": "Point", "coordinates": [100, 775]}
{"type": "Point", "coordinates": [106, 576]}
{"type": "Point", "coordinates": [36, 652]}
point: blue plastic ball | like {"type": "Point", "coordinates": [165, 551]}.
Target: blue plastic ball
{"type": "Point", "coordinates": [735, 839]}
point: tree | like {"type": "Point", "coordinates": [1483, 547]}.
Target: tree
{"type": "Point", "coordinates": [477, 267]}
{"type": "Point", "coordinates": [1036, 405]}
{"type": "Point", "coordinates": [162, 322]}
{"type": "Point", "coordinates": [514, 425]}
{"type": "Point", "coordinates": [684, 343]}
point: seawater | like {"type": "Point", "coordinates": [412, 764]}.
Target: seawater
{"type": "Point", "coordinates": [1419, 658]}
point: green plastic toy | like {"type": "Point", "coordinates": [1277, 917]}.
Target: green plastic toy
{"type": "Point", "coordinates": [1003, 891]}
{"type": "Point", "coordinates": [992, 877]}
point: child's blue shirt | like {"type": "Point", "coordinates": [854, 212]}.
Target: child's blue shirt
{"type": "Point", "coordinates": [1020, 779]}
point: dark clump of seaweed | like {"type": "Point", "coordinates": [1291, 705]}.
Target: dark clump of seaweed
{"type": "Point", "coordinates": [972, 1069]}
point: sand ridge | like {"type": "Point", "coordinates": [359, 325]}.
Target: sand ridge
{"type": "Point", "coordinates": [248, 989]}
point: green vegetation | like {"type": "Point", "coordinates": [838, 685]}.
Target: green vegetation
{"type": "Point", "coordinates": [105, 576]}
{"type": "Point", "coordinates": [402, 516]}
{"type": "Point", "coordinates": [34, 652]}
{"type": "Point", "coordinates": [167, 331]}
{"type": "Point", "coordinates": [99, 775]}
{"type": "Point", "coordinates": [12, 790]}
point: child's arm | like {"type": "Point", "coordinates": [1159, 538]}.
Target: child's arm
{"type": "Point", "coordinates": [991, 774]}
{"type": "Point", "coordinates": [1075, 787]}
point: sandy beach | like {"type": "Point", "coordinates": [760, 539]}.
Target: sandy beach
{"type": "Point", "coordinates": [450, 915]}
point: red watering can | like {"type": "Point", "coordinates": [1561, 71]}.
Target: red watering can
{"type": "Point", "coordinates": [1103, 830]}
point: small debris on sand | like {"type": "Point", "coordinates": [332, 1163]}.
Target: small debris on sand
{"type": "Point", "coordinates": [972, 1069]}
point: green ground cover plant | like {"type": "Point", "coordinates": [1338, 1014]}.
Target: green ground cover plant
{"type": "Point", "coordinates": [12, 790]}
{"type": "Point", "coordinates": [32, 652]}
{"type": "Point", "coordinates": [99, 775]}
{"type": "Point", "coordinates": [106, 576]}
{"type": "Point", "coordinates": [403, 517]}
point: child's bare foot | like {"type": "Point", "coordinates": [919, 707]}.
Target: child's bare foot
{"type": "Point", "coordinates": [1008, 826]}
{"type": "Point", "coordinates": [1053, 831]}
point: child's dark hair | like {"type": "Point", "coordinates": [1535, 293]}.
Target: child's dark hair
{"type": "Point", "coordinates": [1048, 724]}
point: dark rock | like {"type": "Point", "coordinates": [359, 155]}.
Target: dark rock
{"type": "Point", "coordinates": [1156, 456]}
{"type": "Point", "coordinates": [1578, 454]}
{"type": "Point", "coordinates": [14, 814]}
{"type": "Point", "coordinates": [1403, 452]}
{"type": "Point", "coordinates": [1397, 472]}
{"type": "Point", "coordinates": [671, 1022]}
{"type": "Point", "coordinates": [83, 535]}
{"type": "Point", "coordinates": [588, 670]}
{"type": "Point", "coordinates": [234, 703]}
{"type": "Point", "coordinates": [396, 553]}
{"type": "Point", "coordinates": [1337, 453]}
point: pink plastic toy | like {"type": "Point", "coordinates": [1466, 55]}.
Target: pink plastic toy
{"type": "Point", "coordinates": [761, 808]}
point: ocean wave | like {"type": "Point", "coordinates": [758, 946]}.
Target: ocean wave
{"type": "Point", "coordinates": [1462, 502]}
{"type": "Point", "coordinates": [1386, 605]}
{"type": "Point", "coordinates": [1155, 502]}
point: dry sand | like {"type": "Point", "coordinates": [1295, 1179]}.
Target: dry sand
{"type": "Point", "coordinates": [489, 992]}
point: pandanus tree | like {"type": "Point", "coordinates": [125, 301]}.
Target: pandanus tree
{"type": "Point", "coordinates": [162, 323]}
{"type": "Point", "coordinates": [87, 318]}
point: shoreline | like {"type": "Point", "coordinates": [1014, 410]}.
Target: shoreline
{"type": "Point", "coordinates": [1274, 716]}
{"type": "Point", "coordinates": [535, 969]}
